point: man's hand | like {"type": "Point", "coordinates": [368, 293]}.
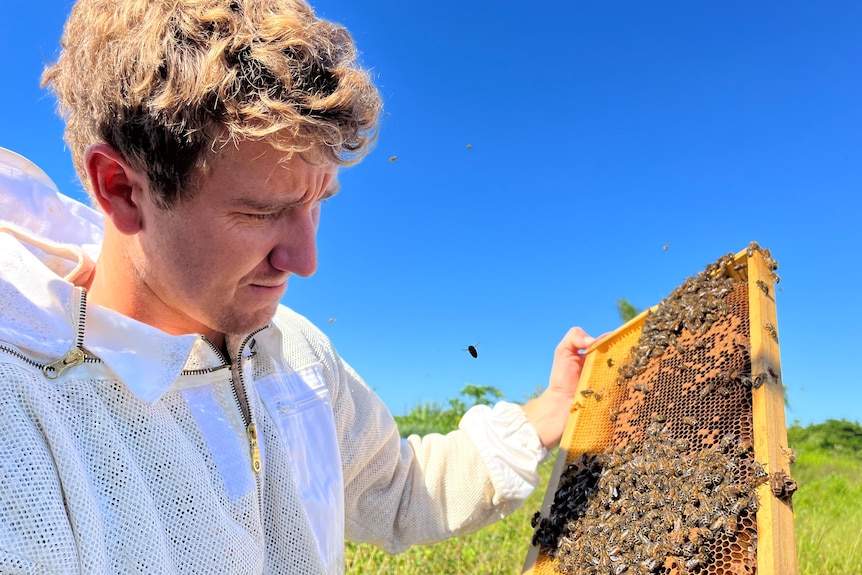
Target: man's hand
{"type": "Point", "coordinates": [548, 412]}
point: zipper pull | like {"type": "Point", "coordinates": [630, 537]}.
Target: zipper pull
{"type": "Point", "coordinates": [251, 431]}
{"type": "Point", "coordinates": [55, 368]}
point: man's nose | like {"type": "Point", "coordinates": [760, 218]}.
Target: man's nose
{"type": "Point", "coordinates": [296, 250]}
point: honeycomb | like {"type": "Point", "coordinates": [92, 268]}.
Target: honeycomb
{"type": "Point", "coordinates": [671, 462]}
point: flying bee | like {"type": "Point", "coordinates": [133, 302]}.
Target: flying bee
{"type": "Point", "coordinates": [392, 158]}
{"type": "Point", "coordinates": [471, 349]}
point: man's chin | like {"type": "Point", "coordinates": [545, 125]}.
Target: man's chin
{"type": "Point", "coordinates": [251, 323]}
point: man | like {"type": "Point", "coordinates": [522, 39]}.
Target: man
{"type": "Point", "coordinates": [160, 412]}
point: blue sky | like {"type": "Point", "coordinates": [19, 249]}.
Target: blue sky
{"type": "Point", "coordinates": [598, 134]}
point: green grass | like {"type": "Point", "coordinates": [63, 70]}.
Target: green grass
{"type": "Point", "coordinates": [828, 505]}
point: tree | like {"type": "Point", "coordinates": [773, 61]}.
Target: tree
{"type": "Point", "coordinates": [627, 311]}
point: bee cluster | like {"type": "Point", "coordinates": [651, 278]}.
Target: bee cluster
{"type": "Point", "coordinates": [638, 512]}
{"type": "Point", "coordinates": [673, 492]}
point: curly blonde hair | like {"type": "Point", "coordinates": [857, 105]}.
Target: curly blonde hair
{"type": "Point", "coordinates": [167, 83]}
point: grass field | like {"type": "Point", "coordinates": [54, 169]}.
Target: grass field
{"type": "Point", "coordinates": [827, 511]}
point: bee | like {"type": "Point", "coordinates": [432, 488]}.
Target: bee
{"type": "Point", "coordinates": [587, 392]}
{"type": "Point", "coordinates": [731, 525]}
{"type": "Point", "coordinates": [727, 441]}
{"type": "Point", "coordinates": [760, 474]}
{"type": "Point", "coordinates": [697, 561]}
{"type": "Point", "coordinates": [790, 485]}
{"type": "Point", "coordinates": [707, 389]}
{"type": "Point", "coordinates": [610, 362]}
{"type": "Point", "coordinates": [789, 453]}
{"type": "Point", "coordinates": [689, 420]}
{"type": "Point", "coordinates": [773, 374]}
{"type": "Point", "coordinates": [613, 414]}
{"type": "Point", "coordinates": [751, 247]}
{"type": "Point", "coordinates": [598, 396]}
{"type": "Point", "coordinates": [392, 158]}
{"type": "Point", "coordinates": [753, 503]}
{"type": "Point", "coordinates": [759, 380]}
{"type": "Point", "coordinates": [469, 146]}
{"type": "Point", "coordinates": [719, 522]}
{"type": "Point", "coordinates": [640, 387]}
{"type": "Point", "coordinates": [471, 349]}
{"type": "Point", "coordinates": [763, 287]}
{"type": "Point", "coordinates": [770, 328]}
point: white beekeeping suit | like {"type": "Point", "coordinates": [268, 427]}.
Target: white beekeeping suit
{"type": "Point", "coordinates": [123, 449]}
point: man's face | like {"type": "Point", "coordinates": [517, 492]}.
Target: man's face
{"type": "Point", "coordinates": [218, 263]}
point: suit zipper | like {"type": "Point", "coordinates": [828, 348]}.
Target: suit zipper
{"type": "Point", "coordinates": [74, 357]}
{"type": "Point", "coordinates": [240, 394]}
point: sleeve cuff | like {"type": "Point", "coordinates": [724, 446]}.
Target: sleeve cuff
{"type": "Point", "coordinates": [509, 446]}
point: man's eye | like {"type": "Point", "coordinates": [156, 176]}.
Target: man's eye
{"type": "Point", "coordinates": [267, 216]}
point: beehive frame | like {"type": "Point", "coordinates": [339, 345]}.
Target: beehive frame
{"type": "Point", "coordinates": [607, 410]}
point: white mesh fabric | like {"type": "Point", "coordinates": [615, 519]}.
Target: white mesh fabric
{"type": "Point", "coordinates": [421, 490]}
{"type": "Point", "coordinates": [92, 476]}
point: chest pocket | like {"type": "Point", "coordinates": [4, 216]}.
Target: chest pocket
{"type": "Point", "coordinates": [299, 404]}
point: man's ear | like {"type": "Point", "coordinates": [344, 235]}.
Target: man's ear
{"type": "Point", "coordinates": [116, 186]}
